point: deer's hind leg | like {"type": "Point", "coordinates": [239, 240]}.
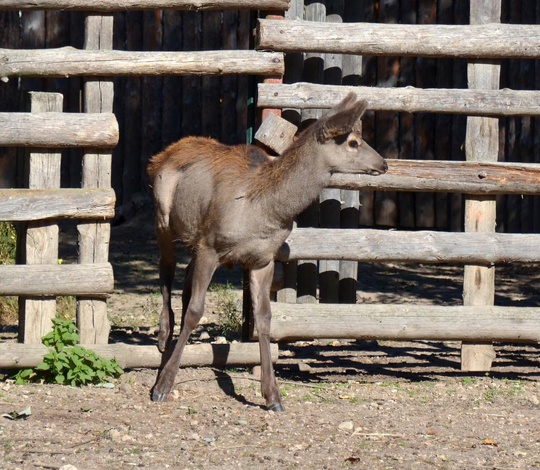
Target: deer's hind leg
{"type": "Point", "coordinates": [260, 281]}
{"type": "Point", "coordinates": [167, 266]}
{"type": "Point", "coordinates": [204, 263]}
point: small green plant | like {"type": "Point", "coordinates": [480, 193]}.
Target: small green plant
{"type": "Point", "coordinates": [8, 243]}
{"type": "Point", "coordinates": [8, 246]}
{"type": "Point", "coordinates": [229, 312]}
{"type": "Point", "coordinates": [67, 362]}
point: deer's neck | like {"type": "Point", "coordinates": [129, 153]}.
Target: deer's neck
{"type": "Point", "coordinates": [290, 184]}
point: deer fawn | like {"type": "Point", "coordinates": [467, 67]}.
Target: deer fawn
{"type": "Point", "coordinates": [233, 204]}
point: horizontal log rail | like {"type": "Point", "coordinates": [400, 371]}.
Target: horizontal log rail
{"type": "Point", "coordinates": [406, 246]}
{"type": "Point", "coordinates": [124, 5]}
{"type": "Point", "coordinates": [68, 61]}
{"type": "Point", "coordinates": [447, 176]}
{"type": "Point", "coordinates": [20, 356]}
{"type": "Point", "coordinates": [405, 322]}
{"type": "Point", "coordinates": [18, 205]}
{"type": "Point", "coordinates": [482, 41]}
{"type": "Point", "coordinates": [472, 102]}
{"type": "Point", "coordinates": [37, 280]}
{"type": "Point", "coordinates": [55, 130]}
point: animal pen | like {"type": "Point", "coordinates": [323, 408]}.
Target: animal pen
{"type": "Point", "coordinates": [287, 46]}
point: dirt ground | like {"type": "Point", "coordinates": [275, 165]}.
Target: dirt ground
{"type": "Point", "coordinates": [349, 404]}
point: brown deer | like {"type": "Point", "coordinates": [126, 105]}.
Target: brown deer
{"type": "Point", "coordinates": [234, 204]}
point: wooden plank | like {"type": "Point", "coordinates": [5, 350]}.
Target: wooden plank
{"type": "Point", "coordinates": [17, 205]}
{"type": "Point", "coordinates": [442, 137]}
{"type": "Point", "coordinates": [370, 13]}
{"type": "Point", "coordinates": [191, 85]}
{"type": "Point", "coordinates": [172, 91]}
{"type": "Point", "coordinates": [211, 112]}
{"type": "Point", "coordinates": [55, 130]}
{"type": "Point", "coordinates": [152, 98]}
{"type": "Point", "coordinates": [276, 133]}
{"type": "Point", "coordinates": [420, 246]}
{"type": "Point", "coordinates": [245, 87]}
{"type": "Point", "coordinates": [423, 143]}
{"type": "Point", "coordinates": [405, 99]}
{"type": "Point", "coordinates": [134, 132]}
{"type": "Point", "coordinates": [459, 122]}
{"type": "Point", "coordinates": [38, 280]}
{"type": "Point", "coordinates": [41, 237]}
{"type": "Point", "coordinates": [350, 199]}
{"type": "Point", "coordinates": [536, 138]}
{"type": "Point", "coordinates": [113, 5]}
{"type": "Point", "coordinates": [71, 62]}
{"type": "Point", "coordinates": [404, 322]}
{"type": "Point", "coordinates": [10, 36]}
{"type": "Point", "coordinates": [481, 144]}
{"type": "Point", "coordinates": [386, 126]}
{"type": "Point", "coordinates": [448, 176]}
{"type": "Point", "coordinates": [307, 270]}
{"type": "Point", "coordinates": [407, 121]}
{"type": "Point", "coordinates": [19, 356]}
{"type": "Point", "coordinates": [330, 198]}
{"type": "Point", "coordinates": [486, 41]}
{"type": "Point", "coordinates": [94, 238]}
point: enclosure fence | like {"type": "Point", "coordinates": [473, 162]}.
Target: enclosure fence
{"type": "Point", "coordinates": [46, 128]}
{"type": "Point", "coordinates": [484, 42]}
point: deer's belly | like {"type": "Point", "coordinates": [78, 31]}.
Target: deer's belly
{"type": "Point", "coordinates": [250, 252]}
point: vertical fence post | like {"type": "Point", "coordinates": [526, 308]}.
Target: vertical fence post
{"type": "Point", "coordinates": [481, 144]}
{"type": "Point", "coordinates": [94, 236]}
{"type": "Point", "coordinates": [41, 238]}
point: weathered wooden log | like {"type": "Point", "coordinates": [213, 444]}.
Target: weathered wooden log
{"type": "Point", "coordinates": [67, 61]}
{"type": "Point", "coordinates": [481, 145]}
{"type": "Point", "coordinates": [20, 356]}
{"type": "Point", "coordinates": [56, 279]}
{"type": "Point", "coordinates": [94, 237]}
{"type": "Point", "coordinates": [55, 130]}
{"type": "Point", "coordinates": [39, 204]}
{"type": "Point", "coordinates": [486, 41]}
{"type": "Point", "coordinates": [405, 99]}
{"type": "Point", "coordinates": [115, 5]}
{"type": "Point", "coordinates": [404, 322]}
{"type": "Point", "coordinates": [448, 176]}
{"type": "Point", "coordinates": [40, 237]}
{"type": "Point", "coordinates": [276, 133]}
{"type": "Point", "coordinates": [421, 246]}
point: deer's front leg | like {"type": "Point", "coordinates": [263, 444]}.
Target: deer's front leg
{"type": "Point", "coordinates": [260, 281]}
{"type": "Point", "coordinates": [204, 263]}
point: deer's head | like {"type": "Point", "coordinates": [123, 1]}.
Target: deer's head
{"type": "Point", "coordinates": [340, 138]}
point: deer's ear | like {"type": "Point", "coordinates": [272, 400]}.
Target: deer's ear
{"type": "Point", "coordinates": [341, 123]}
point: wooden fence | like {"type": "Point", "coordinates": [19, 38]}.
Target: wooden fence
{"type": "Point", "coordinates": [151, 115]}
{"type": "Point", "coordinates": [411, 195]}
{"type": "Point", "coordinates": [484, 42]}
{"type": "Point", "coordinates": [42, 277]}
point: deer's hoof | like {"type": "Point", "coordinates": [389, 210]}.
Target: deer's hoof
{"type": "Point", "coordinates": [276, 407]}
{"type": "Point", "coordinates": [159, 396]}
{"type": "Point", "coordinates": [162, 345]}
{"type": "Point", "coordinates": [164, 342]}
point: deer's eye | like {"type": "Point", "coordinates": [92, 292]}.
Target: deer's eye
{"type": "Point", "coordinates": [353, 143]}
